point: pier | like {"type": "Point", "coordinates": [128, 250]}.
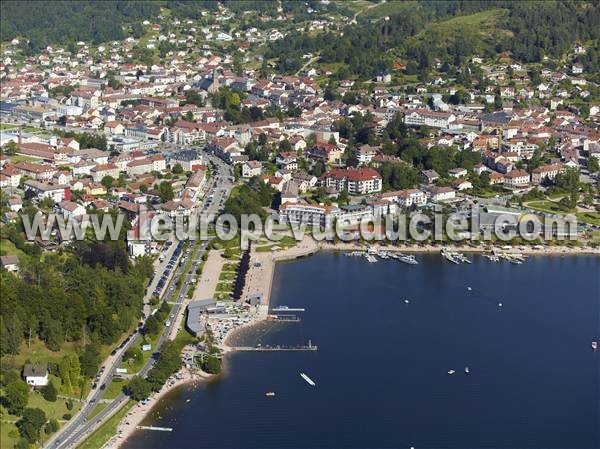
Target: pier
{"type": "Point", "coordinates": [286, 318]}
{"type": "Point", "coordinates": [278, 348]}
{"type": "Point", "coordinates": [288, 309]}
{"type": "Point", "coordinates": [159, 429]}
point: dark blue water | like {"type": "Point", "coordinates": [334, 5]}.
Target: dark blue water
{"type": "Point", "coordinates": [381, 368]}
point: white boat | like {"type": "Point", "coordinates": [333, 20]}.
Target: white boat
{"type": "Point", "coordinates": [594, 345]}
{"type": "Point", "coordinates": [499, 304]}
{"type": "Point", "coordinates": [407, 259]}
{"type": "Point", "coordinates": [308, 380]}
{"type": "Point", "coordinates": [467, 370]}
{"type": "Point", "coordinates": [469, 288]}
{"type": "Point", "coordinates": [406, 301]}
{"type": "Point", "coordinates": [371, 259]}
{"type": "Point", "coordinates": [451, 372]}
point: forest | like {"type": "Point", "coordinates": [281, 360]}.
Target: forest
{"type": "Point", "coordinates": [90, 293]}
{"type": "Point", "coordinates": [423, 32]}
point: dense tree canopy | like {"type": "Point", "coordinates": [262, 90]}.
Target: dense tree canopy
{"type": "Point", "coordinates": [93, 291]}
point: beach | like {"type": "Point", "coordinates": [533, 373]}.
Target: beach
{"type": "Point", "coordinates": [137, 414]}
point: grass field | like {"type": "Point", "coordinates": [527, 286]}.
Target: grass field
{"type": "Point", "coordinates": [97, 439]}
{"type": "Point", "coordinates": [114, 389]}
{"type": "Point", "coordinates": [548, 206]}
{"type": "Point", "coordinates": [388, 8]}
{"type": "Point", "coordinates": [589, 217]}
{"type": "Point", "coordinates": [7, 248]}
{"type": "Point", "coordinates": [7, 126]}
{"type": "Point", "coordinates": [54, 410]}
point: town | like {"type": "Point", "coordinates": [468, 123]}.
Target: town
{"type": "Point", "coordinates": [200, 115]}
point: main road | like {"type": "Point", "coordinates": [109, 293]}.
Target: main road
{"type": "Point", "coordinates": [80, 426]}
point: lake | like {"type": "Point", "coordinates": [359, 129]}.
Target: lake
{"type": "Point", "coordinates": [381, 370]}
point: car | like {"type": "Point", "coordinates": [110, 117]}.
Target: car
{"type": "Point", "coordinates": [114, 351]}
{"type": "Point", "coordinates": [103, 386]}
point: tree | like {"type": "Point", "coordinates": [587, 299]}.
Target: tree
{"type": "Point", "coordinates": [31, 424]}
{"type": "Point", "coordinates": [152, 326]}
{"type": "Point", "coordinates": [52, 426]}
{"type": "Point", "coordinates": [593, 164]}
{"type": "Point", "coordinates": [64, 369]}
{"type": "Point", "coordinates": [74, 370]}
{"type": "Point", "coordinates": [10, 149]}
{"type": "Point", "coordinates": [177, 169]}
{"type": "Point", "coordinates": [139, 388]}
{"type": "Point", "coordinates": [165, 190]}
{"type": "Point", "coordinates": [16, 395]}
{"type": "Point", "coordinates": [90, 361]}
{"type": "Point", "coordinates": [49, 392]}
{"type": "Point", "coordinates": [107, 181]}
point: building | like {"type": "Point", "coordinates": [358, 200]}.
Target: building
{"type": "Point", "coordinates": [462, 184]}
{"type": "Point", "coordinates": [430, 176]}
{"type": "Point", "coordinates": [516, 179]}
{"type": "Point", "coordinates": [9, 263]}
{"type": "Point", "coordinates": [308, 214]}
{"type": "Point", "coordinates": [102, 170]}
{"type": "Point", "coordinates": [287, 160]}
{"type": "Point", "coordinates": [434, 119]}
{"type": "Point", "coordinates": [439, 194]}
{"type": "Point", "coordinates": [457, 173]}
{"type": "Point", "coordinates": [357, 181]}
{"type": "Point", "coordinates": [411, 197]}
{"type": "Point", "coordinates": [69, 209]}
{"type": "Point", "coordinates": [188, 159]}
{"type": "Point", "coordinates": [546, 172]}
{"type": "Point", "coordinates": [251, 169]}
{"type": "Point", "coordinates": [194, 322]}
{"type": "Point", "coordinates": [39, 172]}
{"type": "Point", "coordinates": [36, 374]}
{"type": "Point", "coordinates": [40, 190]}
{"type": "Point", "coordinates": [365, 154]}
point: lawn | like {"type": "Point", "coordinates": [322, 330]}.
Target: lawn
{"type": "Point", "coordinates": [7, 126]}
{"type": "Point", "coordinates": [7, 248]}
{"type": "Point", "coordinates": [22, 158]}
{"type": "Point", "coordinates": [115, 388]}
{"type": "Point", "coordinates": [286, 242]}
{"type": "Point", "coordinates": [589, 217]}
{"type": "Point", "coordinates": [97, 409]}
{"type": "Point", "coordinates": [548, 206]}
{"type": "Point", "coordinates": [135, 366]}
{"type": "Point", "coordinates": [388, 9]}
{"type": "Point", "coordinates": [99, 438]}
{"type": "Point", "coordinates": [54, 410]}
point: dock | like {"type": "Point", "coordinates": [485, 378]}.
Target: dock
{"type": "Point", "coordinates": [278, 348]}
{"type": "Point", "coordinates": [287, 309]}
{"type": "Point", "coordinates": [286, 318]}
{"type": "Point", "coordinates": [159, 429]}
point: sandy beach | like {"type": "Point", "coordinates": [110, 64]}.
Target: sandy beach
{"type": "Point", "coordinates": [137, 414]}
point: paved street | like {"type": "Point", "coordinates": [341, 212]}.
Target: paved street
{"type": "Point", "coordinates": [79, 427]}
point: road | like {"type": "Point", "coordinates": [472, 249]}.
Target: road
{"type": "Point", "coordinates": [79, 427]}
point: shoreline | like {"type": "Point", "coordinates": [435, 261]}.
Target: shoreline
{"type": "Point", "coordinates": [260, 280]}
{"type": "Point", "coordinates": [140, 411]}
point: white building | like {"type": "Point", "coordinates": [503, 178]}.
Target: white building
{"type": "Point", "coordinates": [36, 374]}
{"type": "Point", "coordinates": [309, 214]}
{"type": "Point", "coordinates": [251, 169]}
